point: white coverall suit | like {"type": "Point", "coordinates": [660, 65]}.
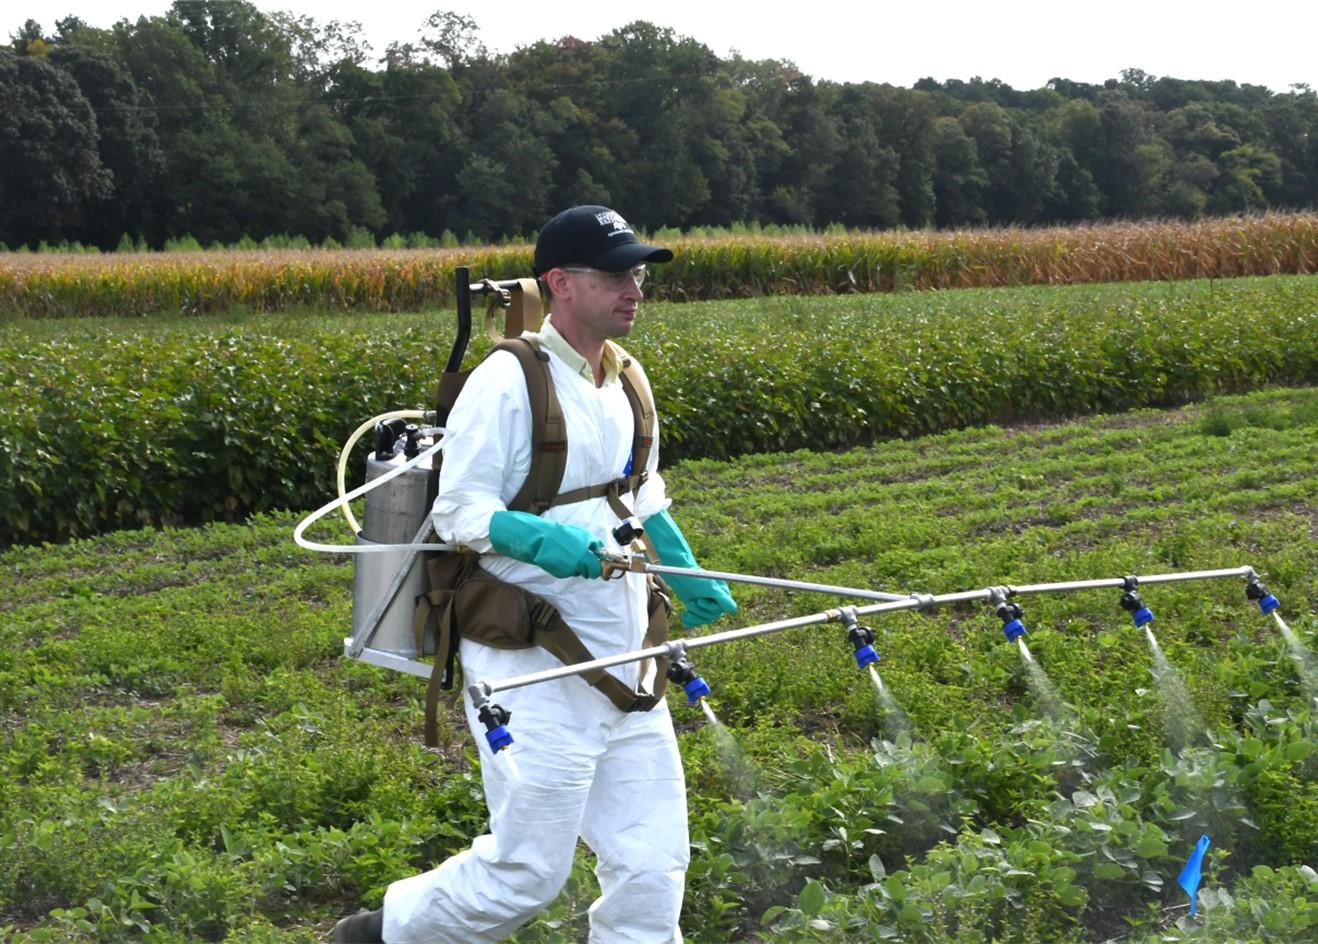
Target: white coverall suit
{"type": "Point", "coordinates": [585, 768]}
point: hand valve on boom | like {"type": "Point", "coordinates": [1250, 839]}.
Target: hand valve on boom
{"type": "Point", "coordinates": [614, 566]}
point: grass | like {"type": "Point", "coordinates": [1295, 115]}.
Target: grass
{"type": "Point", "coordinates": [185, 756]}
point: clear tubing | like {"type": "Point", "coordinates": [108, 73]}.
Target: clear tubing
{"type": "Point", "coordinates": [357, 493]}
{"type": "Point", "coordinates": [342, 467]}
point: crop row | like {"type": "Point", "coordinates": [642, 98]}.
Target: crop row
{"type": "Point", "coordinates": [186, 758]}
{"type": "Point", "coordinates": [731, 267]}
{"type": "Point", "coordinates": [108, 430]}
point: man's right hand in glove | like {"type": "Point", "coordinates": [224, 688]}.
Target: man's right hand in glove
{"type": "Point", "coordinates": [563, 550]}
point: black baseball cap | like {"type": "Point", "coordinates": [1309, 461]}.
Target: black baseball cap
{"type": "Point", "coordinates": [593, 236]}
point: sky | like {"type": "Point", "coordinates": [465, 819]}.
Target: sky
{"type": "Point", "coordinates": [1024, 44]}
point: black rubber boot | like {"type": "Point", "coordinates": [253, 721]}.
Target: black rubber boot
{"type": "Point", "coordinates": [365, 927]}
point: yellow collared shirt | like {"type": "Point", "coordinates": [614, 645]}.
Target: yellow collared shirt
{"type": "Point", "coordinates": [556, 343]}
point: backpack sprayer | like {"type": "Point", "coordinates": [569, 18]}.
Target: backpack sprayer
{"type": "Point", "coordinates": [396, 533]}
{"type": "Point", "coordinates": [400, 488]}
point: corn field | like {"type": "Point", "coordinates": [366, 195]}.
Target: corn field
{"type": "Point", "coordinates": [55, 285]}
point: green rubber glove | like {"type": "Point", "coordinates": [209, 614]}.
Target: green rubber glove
{"type": "Point", "coordinates": [563, 550]}
{"type": "Point", "coordinates": [705, 600]}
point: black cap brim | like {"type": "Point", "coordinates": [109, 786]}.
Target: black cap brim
{"type": "Point", "coordinates": [630, 255]}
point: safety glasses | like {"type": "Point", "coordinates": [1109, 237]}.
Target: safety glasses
{"type": "Point", "coordinates": [614, 281]}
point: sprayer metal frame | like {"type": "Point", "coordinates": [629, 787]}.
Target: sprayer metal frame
{"type": "Point", "coordinates": [357, 646]}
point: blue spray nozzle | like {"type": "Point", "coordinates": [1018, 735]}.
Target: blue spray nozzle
{"type": "Point", "coordinates": [860, 637]}
{"type": "Point", "coordinates": [499, 738]}
{"type": "Point", "coordinates": [1009, 613]}
{"type": "Point", "coordinates": [495, 717]}
{"type": "Point", "coordinates": [1132, 604]}
{"type": "Point", "coordinates": [682, 671]}
{"type": "Point", "coordinates": [1254, 590]}
{"type": "Point", "coordinates": [696, 689]}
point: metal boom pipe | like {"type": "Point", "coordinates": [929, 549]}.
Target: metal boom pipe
{"type": "Point", "coordinates": [664, 570]}
{"type": "Point", "coordinates": [760, 629]}
{"type": "Point", "coordinates": [1118, 582]}
{"type": "Point", "coordinates": [915, 601]}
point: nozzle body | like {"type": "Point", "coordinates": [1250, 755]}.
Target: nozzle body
{"type": "Point", "coordinates": [862, 640]}
{"type": "Point", "coordinates": [1132, 604]}
{"type": "Point", "coordinates": [1010, 614]}
{"type": "Point", "coordinates": [682, 671]}
{"type": "Point", "coordinates": [495, 718]}
{"type": "Point", "coordinates": [1254, 590]}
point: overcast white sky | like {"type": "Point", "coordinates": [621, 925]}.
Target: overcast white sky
{"type": "Point", "coordinates": [1022, 43]}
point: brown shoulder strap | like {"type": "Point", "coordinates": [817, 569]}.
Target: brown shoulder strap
{"type": "Point", "coordinates": [522, 304]}
{"type": "Point", "coordinates": [642, 403]}
{"type": "Point", "coordinates": [548, 431]}
{"type": "Point", "coordinates": [450, 385]}
{"type": "Point", "coordinates": [641, 400]}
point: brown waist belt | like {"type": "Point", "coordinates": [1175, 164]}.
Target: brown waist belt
{"type": "Point", "coordinates": [481, 607]}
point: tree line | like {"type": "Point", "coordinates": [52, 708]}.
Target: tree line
{"type": "Point", "coordinates": [222, 122]}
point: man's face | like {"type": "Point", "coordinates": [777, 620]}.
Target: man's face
{"type": "Point", "coordinates": [604, 303]}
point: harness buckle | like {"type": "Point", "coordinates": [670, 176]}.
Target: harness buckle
{"type": "Point", "coordinates": [643, 703]}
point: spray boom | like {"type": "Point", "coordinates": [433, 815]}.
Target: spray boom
{"type": "Point", "coordinates": [999, 597]}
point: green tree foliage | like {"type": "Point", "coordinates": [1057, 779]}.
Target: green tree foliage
{"type": "Point", "coordinates": [127, 143]}
{"type": "Point", "coordinates": [217, 120]}
{"type": "Point", "coordinates": [48, 148]}
{"type": "Point", "coordinates": [336, 190]}
{"type": "Point", "coordinates": [960, 182]}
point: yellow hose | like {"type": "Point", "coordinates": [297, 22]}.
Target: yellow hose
{"type": "Point", "coordinates": [347, 449]}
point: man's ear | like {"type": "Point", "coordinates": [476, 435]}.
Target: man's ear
{"type": "Point", "coordinates": [559, 283]}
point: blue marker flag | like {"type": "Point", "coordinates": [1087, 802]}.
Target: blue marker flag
{"type": "Point", "coordinates": [1190, 875]}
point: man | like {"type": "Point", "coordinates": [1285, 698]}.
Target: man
{"type": "Point", "coordinates": [583, 768]}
